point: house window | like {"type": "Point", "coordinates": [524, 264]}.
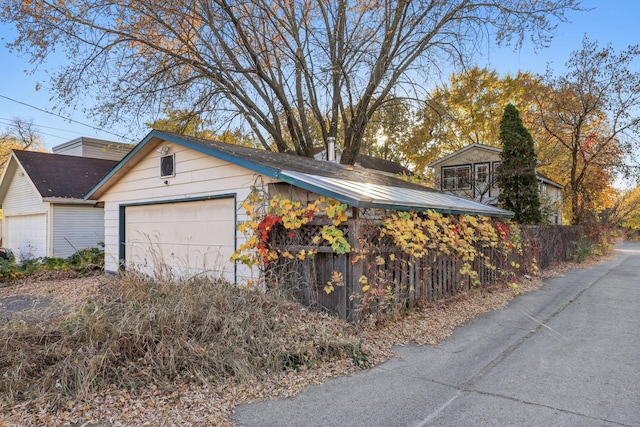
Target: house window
{"type": "Point", "coordinates": [167, 166]}
{"type": "Point", "coordinates": [481, 178]}
{"type": "Point", "coordinates": [494, 174]}
{"type": "Point", "coordinates": [543, 188]}
{"type": "Point", "coordinates": [456, 177]}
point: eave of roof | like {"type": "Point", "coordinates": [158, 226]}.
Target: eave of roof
{"type": "Point", "coordinates": [542, 177]}
{"type": "Point", "coordinates": [464, 150]}
{"type": "Point", "coordinates": [324, 178]}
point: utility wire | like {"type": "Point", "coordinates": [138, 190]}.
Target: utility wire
{"type": "Point", "coordinates": [65, 118]}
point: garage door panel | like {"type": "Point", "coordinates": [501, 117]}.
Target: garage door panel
{"type": "Point", "coordinates": [27, 235]}
{"type": "Point", "coordinates": [189, 237]}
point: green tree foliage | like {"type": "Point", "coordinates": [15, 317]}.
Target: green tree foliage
{"type": "Point", "coordinates": [517, 170]}
{"type": "Point", "coordinates": [277, 67]}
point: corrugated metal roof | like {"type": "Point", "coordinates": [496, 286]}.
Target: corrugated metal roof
{"type": "Point", "coordinates": [353, 185]}
{"type": "Point", "coordinates": [367, 195]}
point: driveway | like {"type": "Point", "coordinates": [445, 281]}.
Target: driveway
{"type": "Point", "coordinates": [566, 355]}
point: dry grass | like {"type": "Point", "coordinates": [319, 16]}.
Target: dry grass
{"type": "Point", "coordinates": [138, 332]}
{"type": "Point", "coordinates": [145, 353]}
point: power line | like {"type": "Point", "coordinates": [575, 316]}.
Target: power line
{"type": "Point", "coordinates": [11, 122]}
{"type": "Point", "coordinates": [65, 118]}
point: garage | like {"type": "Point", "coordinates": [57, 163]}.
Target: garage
{"type": "Point", "coordinates": [27, 235]}
{"type": "Point", "coordinates": [181, 238]}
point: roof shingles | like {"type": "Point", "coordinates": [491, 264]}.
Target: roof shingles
{"type": "Point", "coordinates": [58, 175]}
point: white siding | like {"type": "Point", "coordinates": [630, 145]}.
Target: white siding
{"type": "Point", "coordinates": [197, 175]}
{"type": "Point", "coordinates": [27, 236]}
{"type": "Point", "coordinates": [94, 148]}
{"type": "Point", "coordinates": [71, 148]}
{"type": "Point", "coordinates": [107, 152]}
{"type": "Point", "coordinates": [76, 227]}
{"type": "Point", "coordinates": [22, 197]}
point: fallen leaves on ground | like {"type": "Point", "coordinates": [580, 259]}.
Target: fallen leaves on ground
{"type": "Point", "coordinates": [190, 405]}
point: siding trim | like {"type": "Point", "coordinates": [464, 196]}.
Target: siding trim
{"type": "Point", "coordinates": [122, 222]}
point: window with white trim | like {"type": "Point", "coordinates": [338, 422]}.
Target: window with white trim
{"type": "Point", "coordinates": [456, 177]}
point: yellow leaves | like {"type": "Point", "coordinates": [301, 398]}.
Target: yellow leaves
{"type": "Point", "coordinates": [248, 207]}
{"type": "Point", "coordinates": [336, 280]}
{"type": "Point", "coordinates": [287, 254]}
{"type": "Point", "coordinates": [465, 239]}
{"type": "Point", "coordinates": [514, 286]}
{"type": "Point", "coordinates": [336, 211]}
{"type": "Point", "coordinates": [328, 288]}
{"type": "Point", "coordinates": [336, 276]}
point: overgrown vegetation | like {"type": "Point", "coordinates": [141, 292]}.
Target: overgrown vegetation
{"type": "Point", "coordinates": [82, 261]}
{"type": "Point", "coordinates": [142, 332]}
{"type": "Point", "coordinates": [381, 253]}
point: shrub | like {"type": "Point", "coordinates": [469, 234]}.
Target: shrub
{"type": "Point", "coordinates": [83, 261]}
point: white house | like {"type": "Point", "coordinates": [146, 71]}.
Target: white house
{"type": "Point", "coordinates": [42, 199]}
{"type": "Point", "coordinates": [94, 148]}
{"type": "Point", "coordinates": [175, 201]}
{"type": "Point", "coordinates": [471, 172]}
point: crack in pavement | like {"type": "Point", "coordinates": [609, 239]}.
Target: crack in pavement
{"type": "Point", "coordinates": [469, 385]}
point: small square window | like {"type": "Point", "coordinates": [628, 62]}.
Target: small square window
{"type": "Point", "coordinates": [167, 166]}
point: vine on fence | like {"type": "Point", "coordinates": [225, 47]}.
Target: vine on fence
{"type": "Point", "coordinates": [414, 234]}
{"type": "Point", "coordinates": [265, 215]}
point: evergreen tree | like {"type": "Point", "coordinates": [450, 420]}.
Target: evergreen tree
{"type": "Point", "coordinates": [517, 170]}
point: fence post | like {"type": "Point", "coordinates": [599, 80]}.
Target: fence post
{"type": "Point", "coordinates": [355, 269]}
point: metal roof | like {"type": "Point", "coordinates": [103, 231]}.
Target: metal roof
{"type": "Point", "coordinates": [353, 185]}
{"type": "Point", "coordinates": [367, 195]}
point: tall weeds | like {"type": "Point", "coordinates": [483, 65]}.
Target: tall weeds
{"type": "Point", "coordinates": [141, 332]}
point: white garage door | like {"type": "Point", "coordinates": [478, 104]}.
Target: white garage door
{"type": "Point", "coordinates": [182, 238]}
{"type": "Point", "coordinates": [27, 235]}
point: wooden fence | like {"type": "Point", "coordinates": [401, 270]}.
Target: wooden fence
{"type": "Point", "coordinates": [409, 280]}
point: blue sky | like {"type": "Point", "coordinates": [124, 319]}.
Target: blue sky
{"type": "Point", "coordinates": [612, 22]}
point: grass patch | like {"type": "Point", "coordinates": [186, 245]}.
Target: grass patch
{"type": "Point", "coordinates": [141, 332]}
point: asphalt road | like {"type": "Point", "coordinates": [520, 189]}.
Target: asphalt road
{"type": "Point", "coordinates": [566, 355]}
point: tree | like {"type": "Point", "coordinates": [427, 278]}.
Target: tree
{"type": "Point", "coordinates": [624, 210]}
{"type": "Point", "coordinates": [389, 129]}
{"type": "Point", "coordinates": [187, 123]}
{"type": "Point", "coordinates": [517, 170]}
{"type": "Point", "coordinates": [587, 114]}
{"type": "Point", "coordinates": [19, 135]}
{"type": "Point", "coordinates": [464, 112]}
{"type": "Point", "coordinates": [277, 66]}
